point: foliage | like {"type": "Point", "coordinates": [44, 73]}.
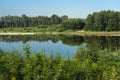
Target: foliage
{"type": "Point", "coordinates": [25, 21]}
{"type": "Point", "coordinates": [103, 21]}
{"type": "Point", "coordinates": [73, 24]}
{"type": "Point", "coordinates": [51, 28]}
{"type": "Point", "coordinates": [10, 65]}
{"type": "Point", "coordinates": [98, 21]}
{"type": "Point", "coordinates": [85, 65]}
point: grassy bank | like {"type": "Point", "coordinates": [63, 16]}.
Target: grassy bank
{"type": "Point", "coordinates": [85, 65]}
{"type": "Point", "coordinates": [55, 28]}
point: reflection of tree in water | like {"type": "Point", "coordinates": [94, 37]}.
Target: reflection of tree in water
{"type": "Point", "coordinates": [72, 40]}
{"type": "Point", "coordinates": [103, 42]}
{"type": "Point", "coordinates": [66, 39]}
{"type": "Point", "coordinates": [93, 42]}
{"type": "Point", "coordinates": [26, 38]}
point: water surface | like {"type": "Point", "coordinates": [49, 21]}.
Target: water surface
{"type": "Point", "coordinates": [65, 45]}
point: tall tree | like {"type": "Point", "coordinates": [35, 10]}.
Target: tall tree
{"type": "Point", "coordinates": [0, 23]}
{"type": "Point", "coordinates": [25, 20]}
{"type": "Point", "coordinates": [73, 24]}
{"type": "Point", "coordinates": [64, 17]}
{"type": "Point", "coordinates": [55, 19]}
{"type": "Point", "coordinates": [89, 22]}
{"type": "Point", "coordinates": [103, 21]}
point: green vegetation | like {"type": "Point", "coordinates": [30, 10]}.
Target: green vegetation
{"type": "Point", "coordinates": [73, 24]}
{"type": "Point", "coordinates": [55, 28]}
{"type": "Point", "coordinates": [85, 65]}
{"type": "Point", "coordinates": [25, 21]}
{"type": "Point", "coordinates": [95, 61]}
{"type": "Point", "coordinates": [98, 21]}
{"type": "Point", "coordinates": [31, 24]}
{"type": "Point", "coordinates": [103, 21]}
{"type": "Point", "coordinates": [98, 61]}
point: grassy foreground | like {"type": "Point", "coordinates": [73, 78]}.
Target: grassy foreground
{"type": "Point", "coordinates": [85, 65]}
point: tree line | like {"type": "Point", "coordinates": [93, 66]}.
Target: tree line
{"type": "Point", "coordinates": [103, 21]}
{"type": "Point", "coordinates": [97, 21]}
{"type": "Point", "coordinates": [25, 21]}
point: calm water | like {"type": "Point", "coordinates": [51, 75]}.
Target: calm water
{"type": "Point", "coordinates": [66, 45]}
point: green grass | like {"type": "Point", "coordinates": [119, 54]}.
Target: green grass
{"type": "Point", "coordinates": [53, 28]}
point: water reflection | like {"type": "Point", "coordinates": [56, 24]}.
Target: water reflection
{"type": "Point", "coordinates": [103, 42]}
{"type": "Point", "coordinates": [63, 44]}
{"type": "Point", "coordinates": [72, 40]}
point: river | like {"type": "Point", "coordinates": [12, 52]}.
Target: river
{"type": "Point", "coordinates": [65, 45]}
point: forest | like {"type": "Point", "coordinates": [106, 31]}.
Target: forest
{"type": "Point", "coordinates": [25, 21]}
{"type": "Point", "coordinates": [97, 21]}
{"type": "Point", "coordinates": [103, 21]}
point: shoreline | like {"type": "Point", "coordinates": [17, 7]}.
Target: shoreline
{"type": "Point", "coordinates": [72, 33]}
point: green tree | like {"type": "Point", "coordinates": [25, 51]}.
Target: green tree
{"type": "Point", "coordinates": [64, 17]}
{"type": "Point", "coordinates": [55, 19]}
{"type": "Point", "coordinates": [25, 20]}
{"type": "Point", "coordinates": [89, 23]}
{"type": "Point", "coordinates": [103, 21]}
{"type": "Point", "coordinates": [1, 24]}
{"type": "Point", "coordinates": [73, 24]}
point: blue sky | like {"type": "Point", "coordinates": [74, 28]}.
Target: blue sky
{"type": "Point", "coordinates": [72, 8]}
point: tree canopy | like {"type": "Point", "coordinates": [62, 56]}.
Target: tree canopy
{"type": "Point", "coordinates": [73, 24]}
{"type": "Point", "coordinates": [97, 21]}
{"type": "Point", "coordinates": [25, 21]}
{"type": "Point", "coordinates": [103, 21]}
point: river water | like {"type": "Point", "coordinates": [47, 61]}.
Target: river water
{"type": "Point", "coordinates": [65, 45]}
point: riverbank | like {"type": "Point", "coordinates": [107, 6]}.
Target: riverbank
{"type": "Point", "coordinates": [72, 33]}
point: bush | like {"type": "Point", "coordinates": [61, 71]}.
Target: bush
{"type": "Point", "coordinates": [85, 65]}
{"type": "Point", "coordinates": [73, 24]}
